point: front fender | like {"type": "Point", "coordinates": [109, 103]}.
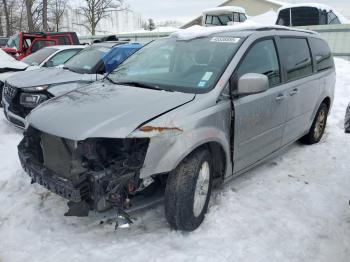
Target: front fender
{"type": "Point", "coordinates": [169, 145]}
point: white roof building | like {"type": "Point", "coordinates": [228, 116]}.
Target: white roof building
{"type": "Point", "coordinates": [252, 8]}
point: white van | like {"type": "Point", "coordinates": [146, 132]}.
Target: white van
{"type": "Point", "coordinates": [221, 16]}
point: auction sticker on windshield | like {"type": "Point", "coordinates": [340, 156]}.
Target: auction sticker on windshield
{"type": "Point", "coordinates": [226, 39]}
{"type": "Point", "coordinates": [207, 76]}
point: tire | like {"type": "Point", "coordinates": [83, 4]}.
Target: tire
{"type": "Point", "coordinates": [318, 126]}
{"type": "Point", "coordinates": [180, 191]}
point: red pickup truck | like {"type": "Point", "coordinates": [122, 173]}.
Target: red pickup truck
{"type": "Point", "coordinates": [24, 44]}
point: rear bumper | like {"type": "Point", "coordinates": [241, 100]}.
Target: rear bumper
{"type": "Point", "coordinates": [52, 181]}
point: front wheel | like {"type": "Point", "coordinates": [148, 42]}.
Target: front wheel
{"type": "Point", "coordinates": [188, 190]}
{"type": "Point", "coordinates": [318, 126]}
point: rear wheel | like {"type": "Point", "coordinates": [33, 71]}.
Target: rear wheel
{"type": "Point", "coordinates": [318, 126]}
{"type": "Point", "coordinates": [188, 190]}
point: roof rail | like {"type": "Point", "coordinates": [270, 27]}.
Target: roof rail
{"type": "Point", "coordinates": [283, 28]}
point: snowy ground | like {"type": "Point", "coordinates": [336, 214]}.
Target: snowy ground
{"type": "Point", "coordinates": [293, 208]}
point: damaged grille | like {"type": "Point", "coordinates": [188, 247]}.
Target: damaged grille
{"type": "Point", "coordinates": [9, 92]}
{"type": "Point", "coordinates": [59, 156]}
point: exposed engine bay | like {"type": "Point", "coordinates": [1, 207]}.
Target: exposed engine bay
{"type": "Point", "coordinates": [95, 174]}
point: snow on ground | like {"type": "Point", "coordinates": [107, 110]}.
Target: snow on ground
{"type": "Point", "coordinates": [293, 208]}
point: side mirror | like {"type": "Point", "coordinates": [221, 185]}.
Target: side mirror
{"type": "Point", "coordinates": [252, 83]}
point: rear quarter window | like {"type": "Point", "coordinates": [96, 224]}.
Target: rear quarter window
{"type": "Point", "coordinates": [322, 54]}
{"type": "Point", "coordinates": [297, 58]}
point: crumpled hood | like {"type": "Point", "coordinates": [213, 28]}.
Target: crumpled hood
{"type": "Point", "coordinates": [103, 110]}
{"type": "Point", "coordinates": [4, 76]}
{"type": "Point", "coordinates": [46, 76]}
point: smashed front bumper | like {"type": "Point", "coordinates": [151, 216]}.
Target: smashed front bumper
{"type": "Point", "coordinates": [84, 172]}
{"type": "Point", "coordinates": [52, 181]}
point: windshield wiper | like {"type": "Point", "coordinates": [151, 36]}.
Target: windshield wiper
{"type": "Point", "coordinates": [140, 84]}
{"type": "Point", "coordinates": [70, 69]}
{"type": "Point", "coordinates": [110, 80]}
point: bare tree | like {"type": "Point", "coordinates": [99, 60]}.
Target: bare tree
{"type": "Point", "coordinates": [34, 14]}
{"type": "Point", "coordinates": [151, 25]}
{"type": "Point", "coordinates": [1, 15]}
{"type": "Point", "coordinates": [29, 7]}
{"type": "Point", "coordinates": [96, 10]}
{"type": "Point", "coordinates": [22, 16]}
{"type": "Point", "coordinates": [57, 8]}
{"type": "Point", "coordinates": [7, 18]}
{"type": "Point", "coordinates": [44, 12]}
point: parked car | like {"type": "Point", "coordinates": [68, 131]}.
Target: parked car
{"type": "Point", "coordinates": [51, 56]}
{"type": "Point", "coordinates": [3, 41]}
{"type": "Point", "coordinates": [8, 65]}
{"type": "Point", "coordinates": [24, 44]}
{"type": "Point", "coordinates": [26, 90]}
{"type": "Point", "coordinates": [46, 57]}
{"type": "Point", "coordinates": [186, 111]}
{"type": "Point", "coordinates": [225, 15]}
{"type": "Point", "coordinates": [308, 14]}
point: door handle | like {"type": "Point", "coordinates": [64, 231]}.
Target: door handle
{"type": "Point", "coordinates": [280, 97]}
{"type": "Point", "coordinates": [294, 91]}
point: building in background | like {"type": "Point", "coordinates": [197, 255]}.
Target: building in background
{"type": "Point", "coordinates": [114, 23]}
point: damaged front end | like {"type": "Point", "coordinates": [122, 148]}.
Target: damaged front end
{"type": "Point", "coordinates": [94, 174]}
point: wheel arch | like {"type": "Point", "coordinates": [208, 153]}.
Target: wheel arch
{"type": "Point", "coordinates": [327, 100]}
{"type": "Point", "coordinates": [219, 158]}
{"type": "Point", "coordinates": [218, 154]}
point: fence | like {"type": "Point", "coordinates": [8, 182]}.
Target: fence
{"type": "Point", "coordinates": [140, 37]}
{"type": "Point", "coordinates": [338, 37]}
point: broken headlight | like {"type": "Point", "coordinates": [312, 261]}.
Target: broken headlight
{"type": "Point", "coordinates": [114, 166]}
{"type": "Point", "coordinates": [120, 154]}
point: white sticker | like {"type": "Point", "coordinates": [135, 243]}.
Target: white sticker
{"type": "Point", "coordinates": [207, 76]}
{"type": "Point", "coordinates": [202, 84]}
{"type": "Point", "coordinates": [225, 39]}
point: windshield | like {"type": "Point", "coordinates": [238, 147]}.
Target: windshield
{"type": "Point", "coordinates": [192, 66]}
{"type": "Point", "coordinates": [13, 42]}
{"type": "Point", "coordinates": [218, 19]}
{"type": "Point", "coordinates": [88, 61]}
{"type": "Point", "coordinates": [38, 57]}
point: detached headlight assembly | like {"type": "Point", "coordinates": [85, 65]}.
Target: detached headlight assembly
{"type": "Point", "coordinates": [32, 100]}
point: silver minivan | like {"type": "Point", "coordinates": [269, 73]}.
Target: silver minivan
{"type": "Point", "coordinates": [181, 115]}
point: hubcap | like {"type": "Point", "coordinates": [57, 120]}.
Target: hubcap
{"type": "Point", "coordinates": [320, 124]}
{"type": "Point", "coordinates": [202, 187]}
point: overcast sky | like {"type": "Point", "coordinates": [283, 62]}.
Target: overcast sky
{"type": "Point", "coordinates": [185, 10]}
